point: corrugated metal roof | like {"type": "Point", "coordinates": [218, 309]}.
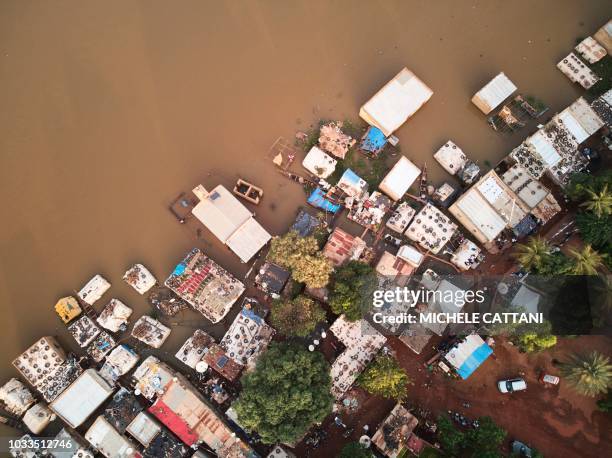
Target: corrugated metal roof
{"type": "Point", "coordinates": [494, 93]}
{"type": "Point", "coordinates": [400, 178]}
{"type": "Point", "coordinates": [473, 211]}
{"type": "Point", "coordinates": [544, 148]}
{"type": "Point", "coordinates": [108, 441]}
{"type": "Point", "coordinates": [248, 239]}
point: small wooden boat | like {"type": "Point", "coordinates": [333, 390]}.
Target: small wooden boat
{"type": "Point", "coordinates": [248, 191]}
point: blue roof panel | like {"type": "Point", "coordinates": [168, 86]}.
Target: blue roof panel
{"type": "Point", "coordinates": [474, 361]}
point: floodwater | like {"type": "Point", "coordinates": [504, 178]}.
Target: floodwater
{"type": "Point", "coordinates": [110, 109]}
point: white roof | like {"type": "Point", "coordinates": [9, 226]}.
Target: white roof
{"type": "Point", "coordinates": [248, 239]}
{"type": "Point", "coordinates": [494, 93]}
{"type": "Point", "coordinates": [473, 211]}
{"type": "Point", "coordinates": [591, 50]}
{"type": "Point", "coordinates": [143, 428]}
{"type": "Point", "coordinates": [108, 441]}
{"type": "Point", "coordinates": [139, 278]}
{"type": "Point", "coordinates": [94, 289]}
{"type": "Point", "coordinates": [530, 191]}
{"type": "Point", "coordinates": [401, 217]}
{"type": "Point", "coordinates": [38, 417]}
{"type": "Point", "coordinates": [82, 398]}
{"type": "Point", "coordinates": [450, 157]}
{"type": "Point", "coordinates": [411, 255]}
{"type": "Point", "coordinates": [122, 358]}
{"type": "Point", "coordinates": [540, 143]}
{"type": "Point", "coordinates": [16, 396]}
{"type": "Point", "coordinates": [400, 178]}
{"type": "Point", "coordinates": [114, 315]}
{"type": "Point", "coordinates": [398, 100]}
{"type": "Point", "coordinates": [577, 71]}
{"type": "Point", "coordinates": [604, 36]}
{"type": "Point", "coordinates": [465, 255]}
{"type": "Point", "coordinates": [319, 163]}
{"type": "Point", "coordinates": [580, 120]}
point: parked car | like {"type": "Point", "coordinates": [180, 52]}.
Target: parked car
{"type": "Point", "coordinates": [511, 385]}
{"type": "Point", "coordinates": [520, 449]}
{"type": "Point", "coordinates": [549, 379]}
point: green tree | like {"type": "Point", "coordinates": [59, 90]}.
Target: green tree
{"type": "Point", "coordinates": [534, 254]}
{"type": "Point", "coordinates": [530, 342]}
{"type": "Point", "coordinates": [296, 317]}
{"type": "Point", "coordinates": [288, 391]}
{"type": "Point", "coordinates": [598, 202]}
{"type": "Point", "coordinates": [590, 374]}
{"type": "Point", "coordinates": [451, 439]}
{"type": "Point", "coordinates": [485, 440]}
{"type": "Point", "coordinates": [355, 450]}
{"type": "Point", "coordinates": [594, 230]}
{"type": "Point", "coordinates": [313, 270]}
{"type": "Point", "coordinates": [586, 261]}
{"type": "Point", "coordinates": [384, 377]}
{"type": "Point", "coordinates": [352, 290]}
{"type": "Point", "coordinates": [605, 404]}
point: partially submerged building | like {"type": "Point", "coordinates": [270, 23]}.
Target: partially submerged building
{"type": "Point", "coordinates": [139, 278]}
{"type": "Point", "coordinates": [319, 163]}
{"type": "Point", "coordinates": [209, 288]}
{"type": "Point", "coordinates": [40, 361]}
{"type": "Point", "coordinates": [468, 354]}
{"type": "Point", "coordinates": [94, 289]}
{"type": "Point", "coordinates": [150, 331]}
{"type": "Point", "coordinates": [401, 217]}
{"type": "Point", "coordinates": [119, 361]}
{"type": "Point", "coordinates": [319, 199]}
{"type": "Point", "coordinates": [68, 309]}
{"type": "Point", "coordinates": [494, 93]}
{"type": "Point", "coordinates": [114, 316]}
{"type": "Point", "coordinates": [370, 211]}
{"type": "Point", "coordinates": [84, 331]}
{"type": "Point", "coordinates": [230, 221]}
{"type": "Point", "coordinates": [399, 179]}
{"type": "Point", "coordinates": [195, 348]}
{"type": "Point", "coordinates": [451, 157]}
{"type": "Point", "coordinates": [38, 417]}
{"type": "Point", "coordinates": [334, 141]}
{"type": "Point", "coordinates": [342, 247]}
{"type": "Point", "coordinates": [16, 397]}
{"type": "Point", "coordinates": [577, 71]}
{"type": "Point", "coordinates": [397, 101]}
{"type": "Point", "coordinates": [109, 442]}
{"type": "Point", "coordinates": [431, 229]}
{"type": "Point", "coordinates": [272, 278]}
{"type": "Point", "coordinates": [352, 185]}
{"type": "Point", "coordinates": [152, 377]}
{"type": "Point", "coordinates": [373, 141]}
{"type": "Point", "coordinates": [590, 50]}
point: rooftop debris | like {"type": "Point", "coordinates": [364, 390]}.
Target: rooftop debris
{"type": "Point", "coordinates": [62, 377]}
{"type": "Point", "coordinates": [306, 224]}
{"type": "Point", "coordinates": [493, 93]}
{"type": "Point", "coordinates": [401, 217]}
{"type": "Point", "coordinates": [84, 331]}
{"type": "Point", "coordinates": [370, 211]}
{"type": "Point", "coordinates": [318, 163]}
{"type": "Point", "coordinates": [468, 354]}
{"type": "Point", "coordinates": [577, 71]}
{"type": "Point", "coordinates": [342, 247]}
{"type": "Point", "coordinates": [444, 195]}
{"type": "Point", "coordinates": [16, 397]}
{"type": "Point", "coordinates": [318, 199]}
{"type": "Point", "coordinates": [399, 179]}
{"type": "Point", "coordinates": [68, 309]}
{"type": "Point", "coordinates": [590, 50]}
{"type": "Point", "coordinates": [194, 348]}
{"type": "Point", "coordinates": [373, 141]}
{"type": "Point", "coordinates": [122, 409]}
{"type": "Point", "coordinates": [216, 357]}
{"type": "Point", "coordinates": [352, 184]}
{"type": "Point", "coordinates": [431, 229]}
{"type": "Point", "coordinates": [41, 360]}
{"type": "Point", "coordinates": [152, 377]}
{"type": "Point", "coordinates": [362, 343]}
{"type": "Point", "coordinates": [94, 289]}
{"type": "Point", "coordinates": [272, 278]}
{"type": "Point", "coordinates": [165, 445]}
{"type": "Point", "coordinates": [166, 301]}
{"type": "Point", "coordinates": [230, 221]}
{"type": "Point", "coordinates": [546, 209]}
{"type": "Point", "coordinates": [451, 157]}
{"type": "Point", "coordinates": [118, 362]}
{"type": "Point", "coordinates": [139, 278]}
{"type": "Point", "coordinates": [530, 191]}
{"type": "Point", "coordinates": [397, 101]}
{"type": "Point", "coordinates": [38, 417]}
{"type": "Point", "coordinates": [602, 105]}
{"type": "Point", "coordinates": [467, 255]}
{"type": "Point", "coordinates": [106, 440]}
{"type": "Point", "coordinates": [101, 345]}
{"type": "Point", "coordinates": [395, 268]}
{"type": "Point", "coordinates": [334, 141]}
{"type": "Point", "coordinates": [209, 288]}
{"type": "Point", "coordinates": [114, 316]}
{"type": "Point", "coordinates": [396, 434]}
{"type": "Point", "coordinates": [150, 331]}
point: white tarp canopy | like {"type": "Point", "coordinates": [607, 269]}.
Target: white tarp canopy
{"type": "Point", "coordinates": [399, 179]}
{"type": "Point", "coordinates": [248, 239]}
{"type": "Point", "coordinates": [494, 93]}
{"type": "Point", "coordinates": [319, 163]}
{"type": "Point", "coordinates": [450, 157]}
{"type": "Point", "coordinates": [398, 100]}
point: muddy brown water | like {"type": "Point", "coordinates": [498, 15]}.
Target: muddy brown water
{"type": "Point", "coordinates": [110, 109]}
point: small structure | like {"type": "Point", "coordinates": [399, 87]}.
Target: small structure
{"type": "Point", "coordinates": [271, 279]}
{"type": "Point", "coordinates": [107, 440]}
{"type": "Point", "coordinates": [217, 358]}
{"type": "Point", "coordinates": [230, 221]}
{"type": "Point", "coordinates": [445, 195]}
{"type": "Point", "coordinates": [373, 141]}
{"type": "Point", "coordinates": [318, 163]}
{"type": "Point", "coordinates": [38, 417]}
{"type": "Point", "coordinates": [469, 173]}
{"type": "Point", "coordinates": [152, 377]}
{"type": "Point", "coordinates": [451, 157]}
{"type": "Point", "coordinates": [60, 379]}
{"type": "Point", "coordinates": [166, 445]}
{"type": "Point", "coordinates": [393, 436]}
{"type": "Point", "coordinates": [122, 409]}
{"type": "Point", "coordinates": [431, 229]}
{"type": "Point", "coordinates": [40, 361]}
{"type": "Point", "coordinates": [342, 247]}
{"type": "Point", "coordinates": [68, 309]}
{"type": "Point", "coordinates": [248, 191]}
{"type": "Point", "coordinates": [305, 224]}
{"type": "Point", "coordinates": [334, 141]}
{"type": "Point", "coordinates": [401, 217]}
{"type": "Point", "coordinates": [139, 278]}
{"type": "Point", "coordinates": [466, 256]}
{"type": "Point", "coordinates": [318, 199]}
{"type": "Point", "coordinates": [590, 50]}
{"type": "Point", "coordinates": [546, 209]}
{"type": "Point", "coordinates": [397, 101]}
{"type": "Point", "coordinates": [94, 289]}
{"type": "Point", "coordinates": [114, 316]}
{"type": "Point", "coordinates": [280, 452]}
{"type": "Point", "coordinates": [150, 331]}
{"type": "Point", "coordinates": [118, 362]}
{"type": "Point", "coordinates": [395, 268]}
{"type": "Point", "coordinates": [16, 397]}
{"type": "Point", "coordinates": [194, 348]}
{"type": "Point", "coordinates": [493, 93]}
{"type": "Point", "coordinates": [411, 255]}
{"type": "Point", "coordinates": [416, 337]}
{"type": "Point", "coordinates": [100, 346]}
{"type": "Point", "coordinates": [467, 355]}
{"type": "Point", "coordinates": [577, 71]}
{"type": "Point", "coordinates": [370, 211]}
{"type": "Point", "coordinates": [362, 342]}
{"type": "Point", "coordinates": [81, 398]}
{"type": "Point", "coordinates": [604, 36]}
{"type": "Point", "coordinates": [403, 174]}
{"type": "Point", "coordinates": [209, 288]}
{"type": "Point", "coordinates": [602, 106]}
{"type": "Point", "coordinates": [352, 184]}
{"type": "Point", "coordinates": [143, 428]}
{"type": "Point", "coordinates": [84, 331]}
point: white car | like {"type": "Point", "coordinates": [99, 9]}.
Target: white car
{"type": "Point", "coordinates": [511, 385]}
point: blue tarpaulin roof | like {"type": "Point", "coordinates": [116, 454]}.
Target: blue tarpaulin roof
{"type": "Point", "coordinates": [373, 140]}
{"type": "Point", "coordinates": [350, 177]}
{"type": "Point", "coordinates": [317, 199]}
{"type": "Point", "coordinates": [478, 356]}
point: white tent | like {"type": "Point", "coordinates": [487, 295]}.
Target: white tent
{"type": "Point", "coordinates": [493, 93]}
{"type": "Point", "coordinates": [398, 100]}
{"type": "Point", "coordinates": [451, 157]}
{"type": "Point", "coordinates": [399, 179]}
{"type": "Point", "coordinates": [319, 163]}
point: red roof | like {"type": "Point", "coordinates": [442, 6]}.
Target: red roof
{"type": "Point", "coordinates": [174, 422]}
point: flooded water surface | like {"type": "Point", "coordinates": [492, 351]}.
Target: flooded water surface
{"type": "Point", "coordinates": [110, 109]}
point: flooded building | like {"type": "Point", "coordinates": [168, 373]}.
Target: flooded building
{"type": "Point", "coordinates": [352, 185]}
{"type": "Point", "coordinates": [152, 377]}
{"type": "Point", "coordinates": [143, 428]}
{"type": "Point", "coordinates": [319, 163]}
{"type": "Point", "coordinates": [590, 50]}
{"type": "Point", "coordinates": [397, 101]}
{"type": "Point", "coordinates": [100, 346]}
{"type": "Point", "coordinates": [150, 331]}
{"type": "Point", "coordinates": [399, 179]}
{"type": "Point", "coordinates": [114, 316]}
{"type": "Point", "coordinates": [319, 199]}
{"type": "Point", "coordinates": [139, 278]}
{"type": "Point", "coordinates": [15, 397]}
{"type": "Point", "coordinates": [94, 289]}
{"type": "Point", "coordinates": [401, 217]}
{"type": "Point", "coordinates": [40, 361]}
{"type": "Point", "coordinates": [67, 309]}
{"type": "Point", "coordinates": [122, 409]}
{"type": "Point", "coordinates": [272, 278]}
{"type": "Point", "coordinates": [604, 36]}
{"type": "Point", "coordinates": [209, 288]}
{"type": "Point", "coordinates": [342, 247]}
{"type": "Point", "coordinates": [84, 331]}
{"type": "Point", "coordinates": [195, 348]}
{"type": "Point", "coordinates": [334, 141]}
{"type": "Point", "coordinates": [451, 157]}
{"type": "Point", "coordinates": [370, 211]}
{"type": "Point", "coordinates": [109, 442]}
{"type": "Point", "coordinates": [118, 362]}
{"type": "Point", "coordinates": [431, 229]}
{"type": "Point", "coordinates": [577, 71]}
{"type": "Point", "coordinates": [494, 93]}
{"type": "Point", "coordinates": [38, 417]}
{"type": "Point", "coordinates": [230, 221]}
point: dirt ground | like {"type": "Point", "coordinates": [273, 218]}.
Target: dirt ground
{"type": "Point", "coordinates": [556, 420]}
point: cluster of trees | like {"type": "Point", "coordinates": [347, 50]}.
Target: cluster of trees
{"type": "Point", "coordinates": [589, 374]}
{"type": "Point", "coordinates": [352, 289]}
{"type": "Point", "coordinates": [482, 442]}
{"type": "Point", "coordinates": [288, 391]}
{"type": "Point", "coordinates": [296, 317]}
{"type": "Point", "coordinates": [355, 450]}
{"type": "Point", "coordinates": [527, 337]}
{"type": "Point", "coordinates": [384, 377]}
{"type": "Point", "coordinates": [301, 255]}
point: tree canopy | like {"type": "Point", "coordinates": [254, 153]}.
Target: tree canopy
{"type": "Point", "coordinates": [288, 391]}
{"type": "Point", "coordinates": [296, 317]}
{"type": "Point", "coordinates": [355, 450]}
{"type": "Point", "coordinates": [352, 290]}
{"type": "Point", "coordinates": [483, 441]}
{"type": "Point", "coordinates": [590, 375]}
{"type": "Point", "coordinates": [384, 377]}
